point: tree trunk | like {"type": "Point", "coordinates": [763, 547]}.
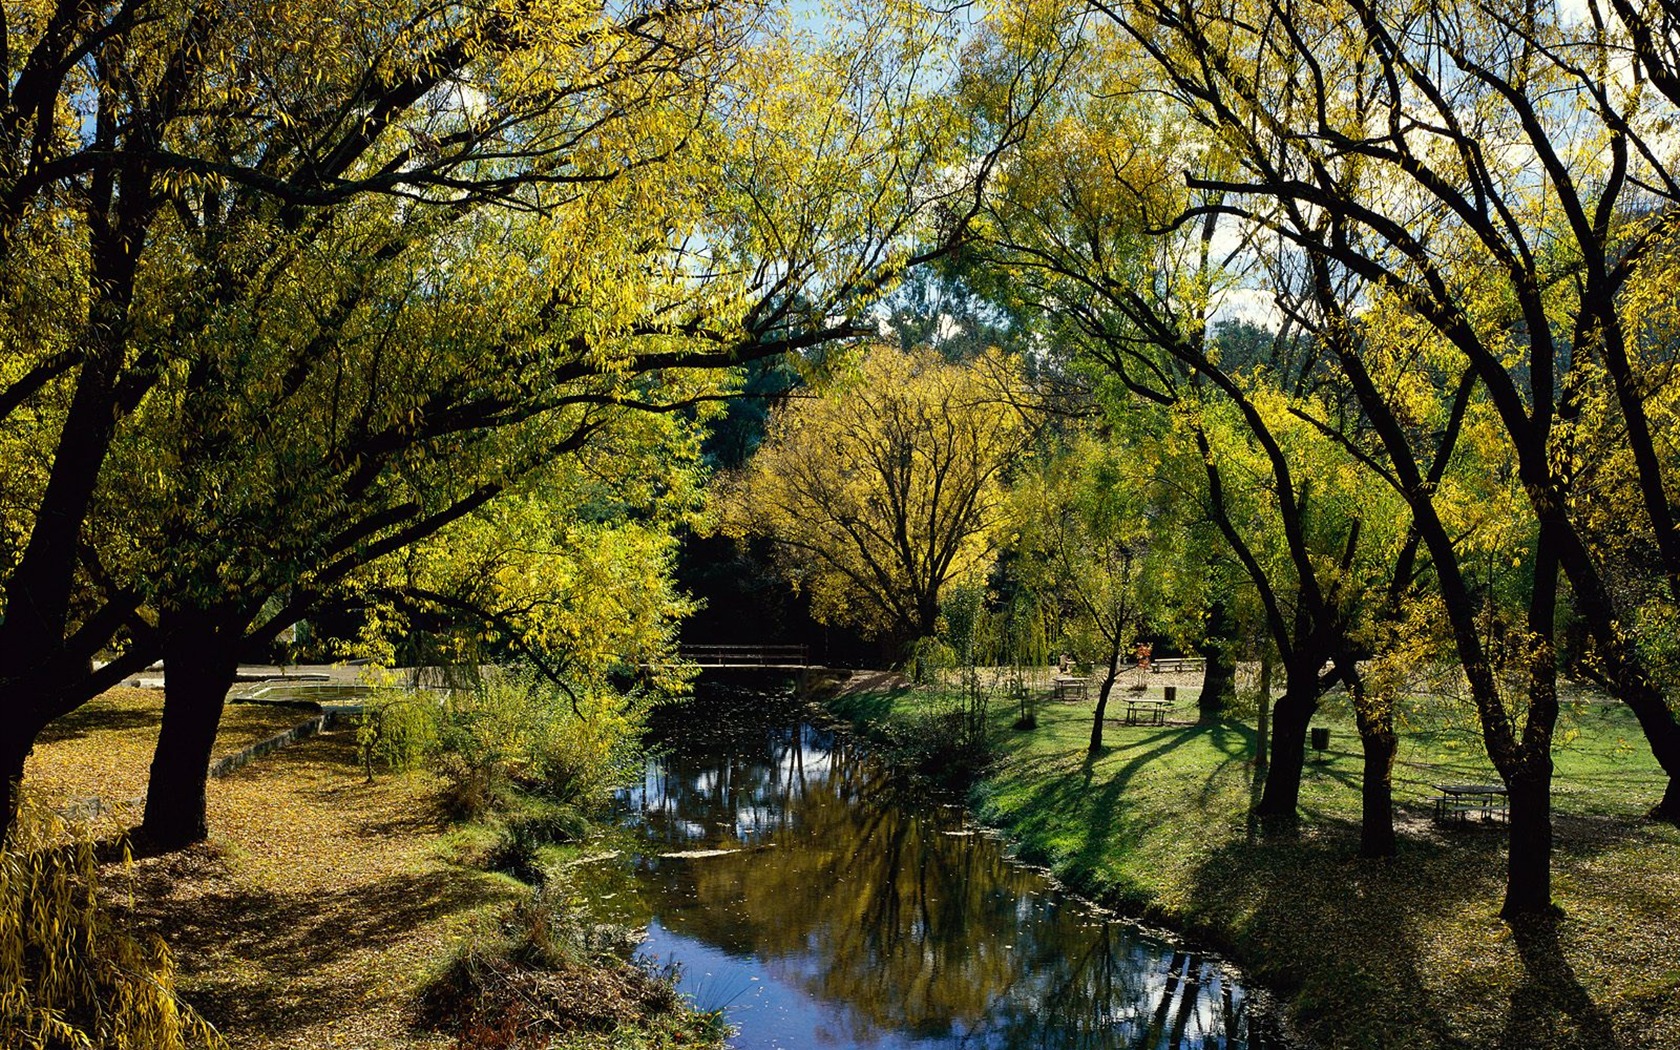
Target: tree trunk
{"type": "Point", "coordinates": [1376, 817]}
{"type": "Point", "coordinates": [1528, 872]}
{"type": "Point", "coordinates": [1263, 723]}
{"type": "Point", "coordinates": [1102, 695]}
{"type": "Point", "coordinates": [1292, 716]}
{"type": "Point", "coordinates": [1220, 675]}
{"type": "Point", "coordinates": [34, 701]}
{"type": "Point", "coordinates": [199, 664]}
{"type": "Point", "coordinates": [1373, 711]}
{"type": "Point", "coordinates": [1669, 808]}
{"type": "Point", "coordinates": [15, 744]}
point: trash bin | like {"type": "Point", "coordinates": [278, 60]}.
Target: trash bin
{"type": "Point", "coordinates": [1320, 738]}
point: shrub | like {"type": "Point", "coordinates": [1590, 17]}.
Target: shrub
{"type": "Point", "coordinates": [511, 728]}
{"type": "Point", "coordinates": [71, 974]}
{"type": "Point", "coordinates": [948, 743]}
{"type": "Point", "coordinates": [927, 659]}
{"type": "Point", "coordinates": [546, 971]}
{"type": "Point", "coordinates": [591, 743]}
{"type": "Point", "coordinates": [523, 836]}
{"type": "Point", "coordinates": [399, 729]}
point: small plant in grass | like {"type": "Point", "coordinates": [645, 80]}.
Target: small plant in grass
{"type": "Point", "coordinates": [71, 974]}
{"type": "Point", "coordinates": [523, 837]}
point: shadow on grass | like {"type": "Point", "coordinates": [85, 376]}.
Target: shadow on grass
{"type": "Point", "coordinates": [290, 957]}
{"type": "Point", "coordinates": [1550, 1007]}
{"type": "Point", "coordinates": [873, 706]}
{"type": "Point", "coordinates": [1404, 952]}
{"type": "Point", "coordinates": [99, 718]}
{"type": "Point", "coordinates": [262, 960]}
{"type": "Point", "coordinates": [1077, 782]}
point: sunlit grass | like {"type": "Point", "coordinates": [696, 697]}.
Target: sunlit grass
{"type": "Point", "coordinates": [322, 902]}
{"type": "Point", "coordinates": [1408, 952]}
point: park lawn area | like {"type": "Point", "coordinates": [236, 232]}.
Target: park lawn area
{"type": "Point", "coordinates": [103, 749]}
{"type": "Point", "coordinates": [1408, 952]}
{"type": "Point", "coordinates": [322, 902]}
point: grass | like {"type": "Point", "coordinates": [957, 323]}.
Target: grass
{"type": "Point", "coordinates": [103, 749]}
{"type": "Point", "coordinates": [1407, 952]}
{"type": "Point", "coordinates": [322, 903]}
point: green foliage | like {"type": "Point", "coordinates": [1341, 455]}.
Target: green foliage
{"type": "Point", "coordinates": [928, 660]}
{"type": "Point", "coordinates": [512, 729]}
{"type": "Point", "coordinates": [522, 836]}
{"type": "Point", "coordinates": [399, 729]}
{"type": "Point", "coordinates": [73, 974]}
{"type": "Point", "coordinates": [945, 740]}
{"type": "Point", "coordinates": [1084, 522]}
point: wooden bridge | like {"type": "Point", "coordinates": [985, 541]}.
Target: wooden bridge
{"type": "Point", "coordinates": [767, 657]}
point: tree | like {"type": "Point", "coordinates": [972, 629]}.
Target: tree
{"type": "Point", "coordinates": [886, 487]}
{"type": "Point", "coordinates": [240, 139]}
{"type": "Point", "coordinates": [1081, 225]}
{"type": "Point", "coordinates": [441, 253]}
{"type": "Point", "coordinates": [1085, 526]}
{"type": "Point", "coordinates": [1362, 140]}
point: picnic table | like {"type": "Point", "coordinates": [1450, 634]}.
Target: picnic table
{"type": "Point", "coordinates": [1463, 799]}
{"type": "Point", "coordinates": [1068, 688]}
{"type": "Point", "coordinates": [1141, 711]}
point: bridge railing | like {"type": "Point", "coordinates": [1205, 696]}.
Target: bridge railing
{"type": "Point", "coordinates": [745, 655]}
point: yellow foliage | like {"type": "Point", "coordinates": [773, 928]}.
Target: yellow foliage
{"type": "Point", "coordinates": [71, 974]}
{"type": "Point", "coordinates": [886, 488]}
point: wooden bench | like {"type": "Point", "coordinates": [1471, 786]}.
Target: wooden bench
{"type": "Point", "coordinates": [1460, 800]}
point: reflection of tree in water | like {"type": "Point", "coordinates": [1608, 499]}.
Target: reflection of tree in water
{"type": "Point", "coordinates": [912, 924]}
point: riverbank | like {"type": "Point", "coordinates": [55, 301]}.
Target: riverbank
{"type": "Point", "coordinates": [1408, 952]}
{"type": "Point", "coordinates": [323, 904]}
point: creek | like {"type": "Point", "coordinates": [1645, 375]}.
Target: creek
{"type": "Point", "coordinates": [820, 903]}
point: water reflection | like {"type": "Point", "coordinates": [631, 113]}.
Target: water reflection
{"type": "Point", "coordinates": [843, 917]}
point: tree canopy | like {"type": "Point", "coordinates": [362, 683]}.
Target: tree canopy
{"type": "Point", "coordinates": [886, 487]}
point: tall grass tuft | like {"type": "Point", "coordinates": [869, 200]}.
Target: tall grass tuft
{"type": "Point", "coordinates": [71, 974]}
{"type": "Point", "coordinates": [548, 971]}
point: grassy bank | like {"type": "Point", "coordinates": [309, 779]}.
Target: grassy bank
{"type": "Point", "coordinates": [1401, 953]}
{"type": "Point", "coordinates": [324, 904]}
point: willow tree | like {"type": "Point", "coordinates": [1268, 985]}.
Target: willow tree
{"type": "Point", "coordinates": [1359, 133]}
{"type": "Point", "coordinates": [885, 488]}
{"type": "Point", "coordinates": [341, 277]}
{"type": "Point", "coordinates": [1086, 529]}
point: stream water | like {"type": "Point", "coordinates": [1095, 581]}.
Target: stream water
{"type": "Point", "coordinates": [799, 888]}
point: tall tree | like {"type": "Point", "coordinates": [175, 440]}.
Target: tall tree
{"type": "Point", "coordinates": [1081, 226]}
{"type": "Point", "coordinates": [365, 272]}
{"type": "Point", "coordinates": [1359, 133]}
{"type": "Point", "coordinates": [1085, 524]}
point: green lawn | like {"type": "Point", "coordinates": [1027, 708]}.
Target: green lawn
{"type": "Point", "coordinates": [1403, 953]}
